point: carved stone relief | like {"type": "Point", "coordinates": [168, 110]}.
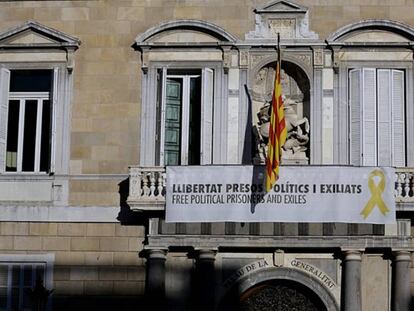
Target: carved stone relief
{"type": "Point", "coordinates": [318, 57]}
{"type": "Point", "coordinates": [244, 58]}
{"type": "Point", "coordinates": [285, 27]}
{"type": "Point", "coordinates": [288, 19]}
{"type": "Point", "coordinates": [296, 107]}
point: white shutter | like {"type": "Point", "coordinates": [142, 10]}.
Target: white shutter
{"type": "Point", "coordinates": [355, 116]}
{"type": "Point", "coordinates": [369, 118]}
{"type": "Point", "coordinates": [384, 117]}
{"type": "Point", "coordinates": [4, 104]}
{"type": "Point", "coordinates": [398, 129]}
{"type": "Point", "coordinates": [162, 80]}
{"type": "Point", "coordinates": [207, 96]}
{"type": "Point", "coordinates": [53, 116]}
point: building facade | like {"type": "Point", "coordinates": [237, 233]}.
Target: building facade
{"type": "Point", "coordinates": [98, 97]}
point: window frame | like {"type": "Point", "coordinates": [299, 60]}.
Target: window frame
{"type": "Point", "coordinates": [46, 260]}
{"type": "Point", "coordinates": [22, 98]}
{"type": "Point", "coordinates": [341, 109]}
{"type": "Point", "coordinates": [60, 108]}
{"type": "Point", "coordinates": [150, 140]}
{"type": "Point", "coordinates": [185, 110]}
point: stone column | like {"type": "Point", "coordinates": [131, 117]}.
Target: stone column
{"type": "Point", "coordinates": [155, 279]}
{"type": "Point", "coordinates": [205, 279]}
{"type": "Point", "coordinates": [351, 274]}
{"type": "Point", "coordinates": [401, 290]}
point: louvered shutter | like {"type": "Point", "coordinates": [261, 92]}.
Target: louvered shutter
{"type": "Point", "coordinates": [4, 104]}
{"type": "Point", "coordinates": [207, 96]}
{"type": "Point", "coordinates": [161, 102]}
{"type": "Point", "coordinates": [384, 117]}
{"type": "Point", "coordinates": [53, 121]}
{"type": "Point", "coordinates": [369, 118]}
{"type": "Point", "coordinates": [355, 118]}
{"type": "Point", "coordinates": [398, 129]}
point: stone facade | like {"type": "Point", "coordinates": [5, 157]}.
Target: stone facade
{"type": "Point", "coordinates": [96, 239]}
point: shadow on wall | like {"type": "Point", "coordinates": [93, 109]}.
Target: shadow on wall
{"type": "Point", "coordinates": [98, 287]}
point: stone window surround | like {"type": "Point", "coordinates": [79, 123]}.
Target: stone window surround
{"type": "Point", "coordinates": [54, 51]}
{"type": "Point", "coordinates": [61, 138]}
{"type": "Point", "coordinates": [336, 43]}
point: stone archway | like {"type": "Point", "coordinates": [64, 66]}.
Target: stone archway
{"type": "Point", "coordinates": [278, 288]}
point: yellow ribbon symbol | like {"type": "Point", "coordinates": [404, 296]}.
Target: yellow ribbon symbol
{"type": "Point", "coordinates": [376, 191]}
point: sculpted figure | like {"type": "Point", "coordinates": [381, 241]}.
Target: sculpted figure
{"type": "Point", "coordinates": [297, 131]}
{"type": "Point", "coordinates": [297, 126]}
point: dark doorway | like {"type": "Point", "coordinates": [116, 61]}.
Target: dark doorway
{"type": "Point", "coordinates": [280, 295]}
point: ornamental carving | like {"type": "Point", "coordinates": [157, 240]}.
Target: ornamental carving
{"type": "Point", "coordinates": [286, 27]}
{"type": "Point", "coordinates": [318, 57]}
{"type": "Point", "coordinates": [287, 18]}
{"type": "Point", "coordinates": [244, 58]}
{"type": "Point", "coordinates": [257, 58]}
{"type": "Point", "coordinates": [305, 59]}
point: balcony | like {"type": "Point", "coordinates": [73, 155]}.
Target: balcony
{"type": "Point", "coordinates": [147, 188]}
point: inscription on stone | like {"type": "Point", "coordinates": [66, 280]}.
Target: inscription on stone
{"type": "Point", "coordinates": [245, 270]}
{"type": "Point", "coordinates": [322, 276]}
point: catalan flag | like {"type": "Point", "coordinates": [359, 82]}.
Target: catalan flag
{"type": "Point", "coordinates": [277, 131]}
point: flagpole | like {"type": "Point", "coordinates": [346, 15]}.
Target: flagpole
{"type": "Point", "coordinates": [278, 50]}
{"type": "Point", "coordinates": [277, 127]}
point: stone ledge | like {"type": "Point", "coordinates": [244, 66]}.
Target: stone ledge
{"type": "Point", "coordinates": [249, 242]}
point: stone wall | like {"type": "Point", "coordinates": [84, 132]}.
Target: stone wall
{"type": "Point", "coordinates": [89, 259]}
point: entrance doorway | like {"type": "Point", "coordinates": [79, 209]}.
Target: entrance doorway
{"type": "Point", "coordinates": [280, 295]}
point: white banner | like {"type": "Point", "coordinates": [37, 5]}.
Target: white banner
{"type": "Point", "coordinates": [302, 194]}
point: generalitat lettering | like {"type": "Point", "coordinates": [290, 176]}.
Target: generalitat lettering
{"type": "Point", "coordinates": [311, 269]}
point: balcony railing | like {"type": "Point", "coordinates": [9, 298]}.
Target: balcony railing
{"type": "Point", "coordinates": [404, 185]}
{"type": "Point", "coordinates": [147, 187]}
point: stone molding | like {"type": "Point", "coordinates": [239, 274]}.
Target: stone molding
{"type": "Point", "coordinates": [202, 26]}
{"type": "Point", "coordinates": [352, 255]}
{"type": "Point", "coordinates": [402, 255]}
{"type": "Point", "coordinates": [58, 38]}
{"type": "Point", "coordinates": [389, 25]}
{"type": "Point", "coordinates": [205, 254]}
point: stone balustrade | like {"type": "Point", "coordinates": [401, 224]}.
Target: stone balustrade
{"type": "Point", "coordinates": [404, 185]}
{"type": "Point", "coordinates": [147, 187]}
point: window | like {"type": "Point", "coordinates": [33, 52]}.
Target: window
{"type": "Point", "coordinates": [27, 109]}
{"type": "Point", "coordinates": [185, 113]}
{"type": "Point", "coordinates": [16, 279]}
{"type": "Point", "coordinates": [377, 125]}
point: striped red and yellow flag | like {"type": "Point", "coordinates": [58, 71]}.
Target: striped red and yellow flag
{"type": "Point", "coordinates": [277, 132]}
